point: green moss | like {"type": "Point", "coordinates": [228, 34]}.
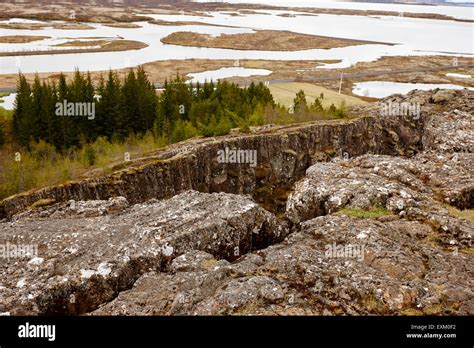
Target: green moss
{"type": "Point", "coordinates": [331, 151]}
{"type": "Point", "coordinates": [435, 309]}
{"type": "Point", "coordinates": [264, 190]}
{"type": "Point", "coordinates": [261, 172]}
{"type": "Point", "coordinates": [372, 304]}
{"type": "Point", "coordinates": [43, 203]}
{"type": "Point", "coordinates": [469, 250]}
{"type": "Point", "coordinates": [365, 214]}
{"type": "Point", "coordinates": [209, 264]}
{"type": "Point", "coordinates": [250, 308]}
{"type": "Point", "coordinates": [411, 312]}
{"type": "Point", "coordinates": [467, 214]}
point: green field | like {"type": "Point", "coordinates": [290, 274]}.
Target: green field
{"type": "Point", "coordinates": [284, 93]}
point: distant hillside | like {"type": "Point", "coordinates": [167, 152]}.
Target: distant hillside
{"type": "Point", "coordinates": [102, 2]}
{"type": "Point", "coordinates": [152, 3]}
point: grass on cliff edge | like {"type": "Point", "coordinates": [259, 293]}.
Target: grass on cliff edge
{"type": "Point", "coordinates": [365, 214]}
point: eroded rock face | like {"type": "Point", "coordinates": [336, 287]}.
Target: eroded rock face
{"type": "Point", "coordinates": [86, 256]}
{"type": "Point", "coordinates": [103, 253]}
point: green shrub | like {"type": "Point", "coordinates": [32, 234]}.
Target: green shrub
{"type": "Point", "coordinates": [183, 130]}
{"type": "Point", "coordinates": [90, 155]}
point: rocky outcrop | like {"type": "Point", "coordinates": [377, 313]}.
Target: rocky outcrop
{"type": "Point", "coordinates": [390, 268]}
{"type": "Point", "coordinates": [417, 188]}
{"type": "Point", "coordinates": [86, 253]}
{"type": "Point", "coordinates": [361, 233]}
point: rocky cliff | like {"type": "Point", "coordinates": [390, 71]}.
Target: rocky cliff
{"type": "Point", "coordinates": [284, 153]}
{"type": "Point", "coordinates": [367, 216]}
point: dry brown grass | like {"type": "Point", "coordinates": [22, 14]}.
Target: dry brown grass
{"type": "Point", "coordinates": [178, 23]}
{"type": "Point", "coordinates": [105, 46]}
{"type": "Point", "coordinates": [85, 43]}
{"type": "Point", "coordinates": [123, 25]}
{"type": "Point", "coordinates": [39, 26]}
{"type": "Point", "coordinates": [265, 40]}
{"type": "Point", "coordinates": [45, 10]}
{"type": "Point", "coordinates": [16, 39]}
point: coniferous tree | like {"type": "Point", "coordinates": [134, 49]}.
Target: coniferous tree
{"type": "Point", "coordinates": [36, 122]}
{"type": "Point", "coordinates": [299, 103]}
{"type": "Point", "coordinates": [2, 134]}
{"type": "Point", "coordinates": [130, 120]}
{"type": "Point", "coordinates": [112, 108]}
{"type": "Point", "coordinates": [68, 135]}
{"type": "Point", "coordinates": [168, 111]}
{"type": "Point", "coordinates": [91, 131]}
{"type": "Point", "coordinates": [23, 111]}
{"type": "Point", "coordinates": [147, 102]}
{"type": "Point", "coordinates": [316, 106]}
{"type": "Point", "coordinates": [100, 119]}
{"type": "Point", "coordinates": [131, 106]}
{"type": "Point", "coordinates": [53, 121]}
{"type": "Point", "coordinates": [46, 113]}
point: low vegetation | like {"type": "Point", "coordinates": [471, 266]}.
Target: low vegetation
{"type": "Point", "coordinates": [467, 214]}
{"type": "Point", "coordinates": [81, 47]}
{"type": "Point", "coordinates": [18, 39]}
{"type": "Point", "coordinates": [123, 25]}
{"type": "Point", "coordinates": [374, 212]}
{"type": "Point", "coordinates": [265, 40]}
{"type": "Point", "coordinates": [39, 26]}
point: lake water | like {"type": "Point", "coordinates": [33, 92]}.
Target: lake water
{"type": "Point", "coordinates": [8, 101]}
{"type": "Point", "coordinates": [410, 36]}
{"type": "Point", "coordinates": [459, 76]}
{"type": "Point", "coordinates": [382, 89]}
{"type": "Point", "coordinates": [223, 73]}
